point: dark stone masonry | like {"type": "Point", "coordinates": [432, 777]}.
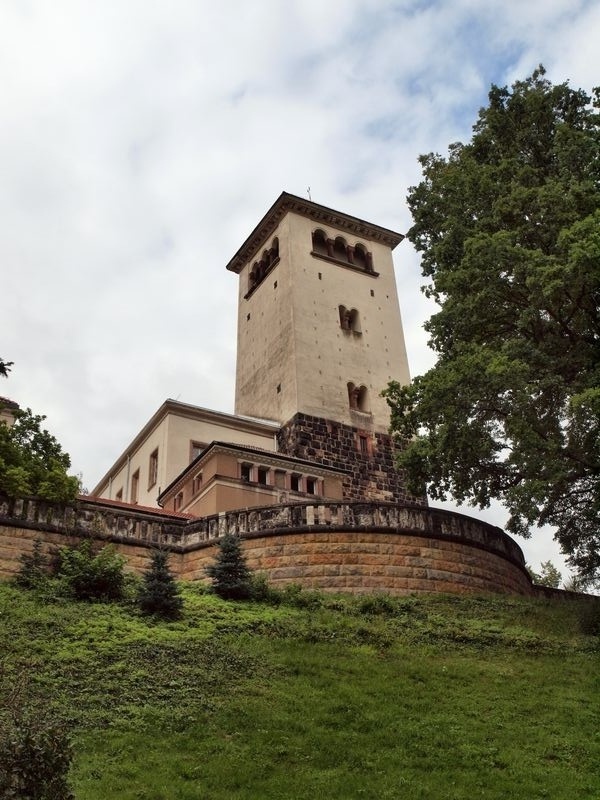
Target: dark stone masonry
{"type": "Point", "coordinates": [368, 458]}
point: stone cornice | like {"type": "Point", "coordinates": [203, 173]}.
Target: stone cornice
{"type": "Point", "coordinates": [287, 203]}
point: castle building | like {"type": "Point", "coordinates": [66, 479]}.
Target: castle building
{"type": "Point", "coordinates": [319, 336]}
{"type": "Point", "coordinates": [304, 470]}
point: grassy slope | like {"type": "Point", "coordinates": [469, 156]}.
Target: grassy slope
{"type": "Point", "coordinates": [433, 697]}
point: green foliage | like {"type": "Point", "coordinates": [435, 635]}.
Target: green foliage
{"type": "Point", "coordinates": [589, 617]}
{"type": "Point", "coordinates": [508, 227]}
{"type": "Point", "coordinates": [549, 575]}
{"type": "Point", "coordinates": [33, 571]}
{"type": "Point", "coordinates": [85, 575]}
{"type": "Point", "coordinates": [35, 757]}
{"type": "Point", "coordinates": [158, 594]}
{"type": "Point", "coordinates": [5, 367]}
{"type": "Point", "coordinates": [231, 578]}
{"type": "Point", "coordinates": [32, 462]}
{"type": "Point", "coordinates": [278, 701]}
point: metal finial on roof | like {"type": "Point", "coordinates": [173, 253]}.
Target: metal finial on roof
{"type": "Point", "coordinates": [308, 193]}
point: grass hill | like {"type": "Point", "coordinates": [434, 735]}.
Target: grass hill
{"type": "Point", "coordinates": [314, 696]}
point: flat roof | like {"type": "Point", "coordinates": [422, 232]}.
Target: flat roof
{"type": "Point", "coordinates": [249, 424]}
{"type": "Point", "coordinates": [286, 203]}
{"type": "Point", "coordinates": [244, 449]}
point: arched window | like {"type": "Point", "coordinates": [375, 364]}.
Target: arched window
{"type": "Point", "coordinates": [363, 399]}
{"type": "Point", "coordinates": [344, 318]}
{"type": "Point", "coordinates": [354, 321]}
{"type": "Point", "coordinates": [253, 276]}
{"type": "Point", "coordinates": [358, 397]}
{"type": "Point", "coordinates": [360, 256]}
{"type": "Point", "coordinates": [319, 242]}
{"type": "Point", "coordinates": [340, 249]}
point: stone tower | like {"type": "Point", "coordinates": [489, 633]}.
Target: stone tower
{"type": "Point", "coordinates": [319, 337]}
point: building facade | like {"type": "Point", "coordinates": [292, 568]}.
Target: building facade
{"type": "Point", "coordinates": [319, 337]}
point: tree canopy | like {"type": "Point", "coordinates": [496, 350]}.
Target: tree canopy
{"type": "Point", "coordinates": [32, 462]}
{"type": "Point", "coordinates": [508, 227]}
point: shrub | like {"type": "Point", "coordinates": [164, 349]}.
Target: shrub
{"type": "Point", "coordinates": [89, 576]}
{"type": "Point", "coordinates": [231, 578]}
{"type": "Point", "coordinates": [158, 595]}
{"type": "Point", "coordinates": [377, 604]}
{"type": "Point", "coordinates": [33, 571]}
{"type": "Point", "coordinates": [35, 757]}
{"type": "Point", "coordinates": [589, 617]}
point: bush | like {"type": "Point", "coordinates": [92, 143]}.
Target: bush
{"type": "Point", "coordinates": [158, 595]}
{"type": "Point", "coordinates": [89, 576]}
{"type": "Point", "coordinates": [589, 617]}
{"type": "Point", "coordinates": [33, 571]}
{"type": "Point", "coordinates": [35, 757]}
{"type": "Point", "coordinates": [231, 578]}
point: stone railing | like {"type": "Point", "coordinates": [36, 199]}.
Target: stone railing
{"type": "Point", "coordinates": [92, 517]}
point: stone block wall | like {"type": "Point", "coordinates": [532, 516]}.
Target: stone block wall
{"type": "Point", "coordinates": [359, 547]}
{"type": "Point", "coordinates": [367, 563]}
{"type": "Point", "coordinates": [368, 457]}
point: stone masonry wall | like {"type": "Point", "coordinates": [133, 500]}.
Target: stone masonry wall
{"type": "Point", "coordinates": [371, 475]}
{"type": "Point", "coordinates": [337, 547]}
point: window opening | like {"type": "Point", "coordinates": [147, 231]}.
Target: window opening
{"type": "Point", "coordinates": [311, 485]}
{"type": "Point", "coordinates": [263, 473]}
{"type": "Point", "coordinates": [195, 449]}
{"type": "Point", "coordinates": [246, 472]}
{"type": "Point", "coordinates": [135, 486]}
{"type": "Point", "coordinates": [197, 483]}
{"type": "Point", "coordinates": [153, 468]}
{"type": "Point", "coordinates": [295, 483]}
{"type": "Point", "coordinates": [340, 249]}
{"type": "Point", "coordinates": [119, 494]}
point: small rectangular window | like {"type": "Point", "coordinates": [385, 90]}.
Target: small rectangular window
{"type": "Point", "coordinates": [197, 483]}
{"type": "Point", "coordinates": [296, 483]}
{"type": "Point", "coordinates": [195, 449]}
{"type": "Point", "coordinates": [363, 444]}
{"type": "Point", "coordinates": [246, 472]}
{"type": "Point", "coordinates": [135, 486]}
{"type": "Point", "coordinates": [153, 468]}
{"type": "Point", "coordinates": [263, 473]}
{"type": "Point", "coordinates": [311, 485]}
{"type": "Point", "coordinates": [178, 502]}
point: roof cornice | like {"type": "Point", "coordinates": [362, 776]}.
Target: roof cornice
{"type": "Point", "coordinates": [287, 203]}
{"type": "Point", "coordinates": [189, 411]}
{"type": "Point", "coordinates": [266, 457]}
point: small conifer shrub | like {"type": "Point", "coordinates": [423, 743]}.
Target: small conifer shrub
{"type": "Point", "coordinates": [158, 595]}
{"type": "Point", "coordinates": [231, 578]}
{"type": "Point", "coordinates": [33, 571]}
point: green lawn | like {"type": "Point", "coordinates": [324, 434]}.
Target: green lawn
{"type": "Point", "coordinates": [337, 698]}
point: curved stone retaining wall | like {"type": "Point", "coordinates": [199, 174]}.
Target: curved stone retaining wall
{"type": "Point", "coordinates": [337, 547]}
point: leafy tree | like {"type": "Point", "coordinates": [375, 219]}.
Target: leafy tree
{"type": "Point", "coordinates": [230, 575]}
{"type": "Point", "coordinates": [5, 367]}
{"type": "Point", "coordinates": [547, 576]}
{"type": "Point", "coordinates": [32, 462]}
{"type": "Point", "coordinates": [158, 594]}
{"type": "Point", "coordinates": [509, 231]}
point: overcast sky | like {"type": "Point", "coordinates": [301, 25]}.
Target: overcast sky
{"type": "Point", "coordinates": [141, 141]}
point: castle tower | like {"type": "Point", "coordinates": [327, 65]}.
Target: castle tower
{"type": "Point", "coordinates": [319, 337]}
